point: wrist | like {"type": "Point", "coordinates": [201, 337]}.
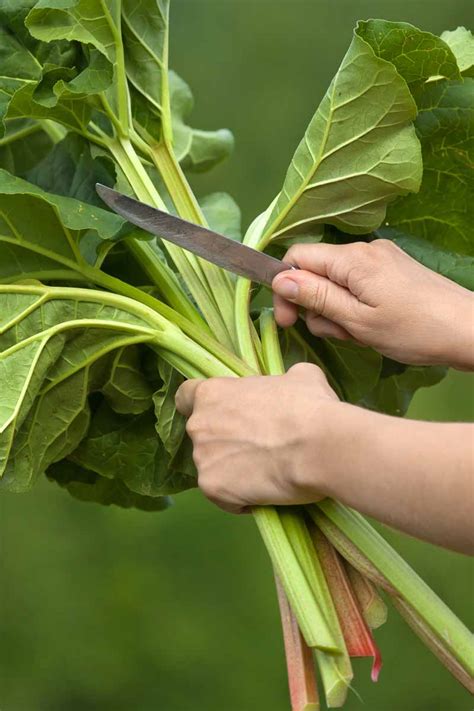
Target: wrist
{"type": "Point", "coordinates": [452, 331]}
{"type": "Point", "coordinates": [331, 426]}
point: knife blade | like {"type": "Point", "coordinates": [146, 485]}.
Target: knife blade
{"type": "Point", "coordinates": [212, 246]}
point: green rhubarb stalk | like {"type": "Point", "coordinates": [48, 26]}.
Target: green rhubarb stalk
{"type": "Point", "coordinates": [298, 536]}
{"type": "Point", "coordinates": [199, 335]}
{"type": "Point", "coordinates": [335, 668]}
{"type": "Point", "coordinates": [373, 608]}
{"type": "Point", "coordinates": [336, 672]}
{"type": "Point", "coordinates": [287, 567]}
{"type": "Point", "coordinates": [274, 365]}
{"type": "Point", "coordinates": [452, 635]}
{"type": "Point", "coordinates": [422, 630]}
{"type": "Point", "coordinates": [299, 659]}
{"type": "Point", "coordinates": [218, 281]}
{"type": "Point", "coordinates": [218, 284]}
{"type": "Point", "coordinates": [143, 187]}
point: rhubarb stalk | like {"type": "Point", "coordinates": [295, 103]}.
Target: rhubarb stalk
{"type": "Point", "coordinates": [358, 637]}
{"type": "Point", "coordinates": [299, 659]}
{"type": "Point", "coordinates": [399, 579]}
{"type": "Point", "coordinates": [373, 608]}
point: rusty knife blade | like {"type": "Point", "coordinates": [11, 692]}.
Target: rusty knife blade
{"type": "Point", "coordinates": [212, 246]}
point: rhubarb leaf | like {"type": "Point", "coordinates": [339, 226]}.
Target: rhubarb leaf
{"type": "Point", "coordinates": [19, 69]}
{"type": "Point", "coordinates": [416, 55]}
{"type": "Point", "coordinates": [67, 241]}
{"type": "Point", "coordinates": [87, 485]}
{"type": "Point", "coordinates": [69, 169]}
{"type": "Point", "coordinates": [125, 447]}
{"type": "Point", "coordinates": [96, 27]}
{"type": "Point", "coordinates": [222, 214]}
{"type": "Point", "coordinates": [359, 152]}
{"type": "Point", "coordinates": [443, 211]}
{"type": "Point", "coordinates": [454, 266]}
{"type": "Point", "coordinates": [161, 99]}
{"type": "Point", "coordinates": [23, 146]}
{"type": "Point", "coordinates": [394, 391]}
{"type": "Point", "coordinates": [126, 388]}
{"type": "Point", "coordinates": [52, 342]}
{"type": "Point", "coordinates": [40, 79]}
{"type": "Point", "coordinates": [355, 369]}
{"type": "Point", "coordinates": [461, 42]}
{"type": "Point", "coordinates": [170, 425]}
{"type": "Point", "coordinates": [145, 38]}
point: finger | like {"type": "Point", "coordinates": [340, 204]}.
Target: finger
{"type": "Point", "coordinates": [323, 327]}
{"type": "Point", "coordinates": [317, 294]}
{"type": "Point", "coordinates": [185, 396]}
{"type": "Point", "coordinates": [286, 313]}
{"type": "Point", "coordinates": [334, 261]}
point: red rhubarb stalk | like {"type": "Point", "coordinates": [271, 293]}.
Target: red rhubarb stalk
{"type": "Point", "coordinates": [299, 659]}
{"type": "Point", "coordinates": [357, 634]}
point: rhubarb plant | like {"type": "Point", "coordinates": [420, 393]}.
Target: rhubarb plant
{"type": "Point", "coordinates": [99, 323]}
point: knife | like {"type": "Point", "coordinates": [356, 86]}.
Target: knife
{"type": "Point", "coordinates": [212, 246]}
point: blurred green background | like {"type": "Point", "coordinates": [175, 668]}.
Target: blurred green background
{"type": "Point", "coordinates": [110, 610]}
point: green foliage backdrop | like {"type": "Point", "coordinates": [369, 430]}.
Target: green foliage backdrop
{"type": "Point", "coordinates": [117, 610]}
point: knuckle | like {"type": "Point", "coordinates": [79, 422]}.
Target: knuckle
{"type": "Point", "coordinates": [306, 370]}
{"type": "Point", "coordinates": [296, 252]}
{"type": "Point", "coordinates": [192, 426]}
{"type": "Point", "coordinates": [204, 391]}
{"type": "Point", "coordinates": [361, 253]}
{"type": "Point", "coordinates": [292, 254]}
{"type": "Point", "coordinates": [317, 295]}
{"type": "Point", "coordinates": [382, 247]}
{"type": "Point", "coordinates": [210, 486]}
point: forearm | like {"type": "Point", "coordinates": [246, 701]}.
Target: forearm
{"type": "Point", "coordinates": [414, 476]}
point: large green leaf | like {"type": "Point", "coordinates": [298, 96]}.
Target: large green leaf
{"type": "Point", "coordinates": [145, 37]}
{"type": "Point", "coordinates": [87, 485]}
{"type": "Point", "coordinates": [458, 267]}
{"type": "Point", "coordinates": [169, 424]}
{"type": "Point", "coordinates": [359, 152]}
{"type": "Point", "coordinates": [52, 347]}
{"type": "Point", "coordinates": [461, 43]}
{"type": "Point", "coordinates": [97, 26]}
{"type": "Point", "coordinates": [44, 80]}
{"type": "Point", "coordinates": [23, 146]}
{"type": "Point", "coordinates": [19, 69]}
{"type": "Point", "coordinates": [222, 214]}
{"type": "Point", "coordinates": [161, 99]}
{"type": "Point", "coordinates": [69, 169]}
{"type": "Point", "coordinates": [127, 448]}
{"type": "Point", "coordinates": [443, 211]}
{"type": "Point", "coordinates": [416, 55]}
{"type": "Point", "coordinates": [352, 370]}
{"type": "Point", "coordinates": [125, 387]}
{"type": "Point", "coordinates": [46, 236]}
{"type": "Point", "coordinates": [395, 389]}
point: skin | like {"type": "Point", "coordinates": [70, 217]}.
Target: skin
{"type": "Point", "coordinates": [289, 440]}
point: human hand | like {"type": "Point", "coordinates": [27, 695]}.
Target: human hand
{"type": "Point", "coordinates": [379, 296]}
{"type": "Point", "coordinates": [256, 439]}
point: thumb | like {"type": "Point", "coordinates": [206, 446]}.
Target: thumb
{"type": "Point", "coordinates": [185, 395]}
{"type": "Point", "coordinates": [316, 294]}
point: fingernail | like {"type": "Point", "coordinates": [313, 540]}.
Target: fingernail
{"type": "Point", "coordinates": [286, 288]}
